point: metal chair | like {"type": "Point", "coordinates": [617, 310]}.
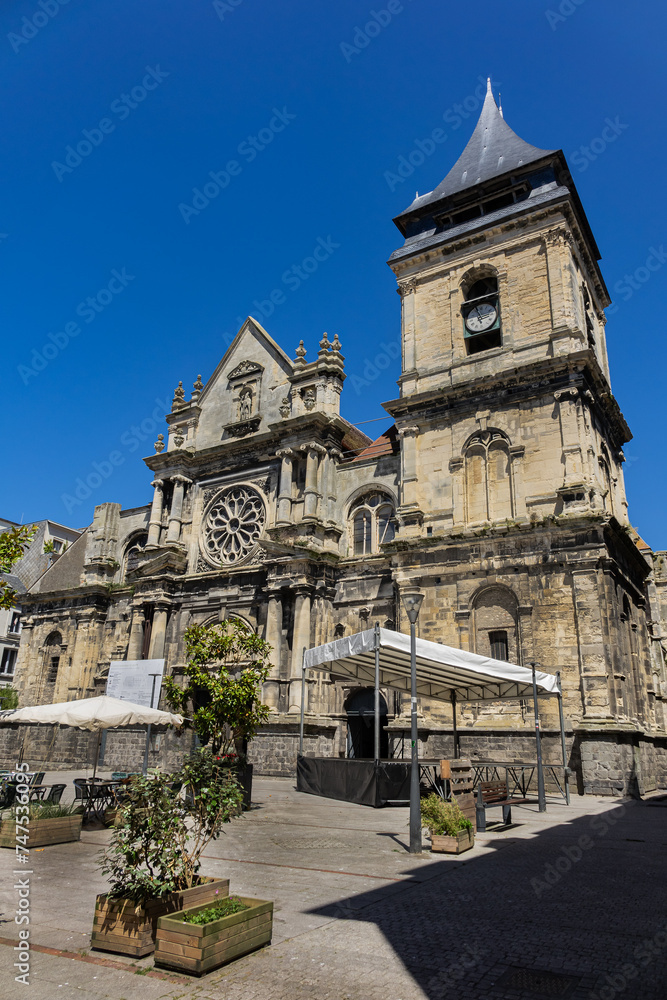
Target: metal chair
{"type": "Point", "coordinates": [37, 778]}
{"type": "Point", "coordinates": [7, 794]}
{"type": "Point", "coordinates": [55, 794]}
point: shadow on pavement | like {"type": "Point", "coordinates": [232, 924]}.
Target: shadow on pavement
{"type": "Point", "coordinates": [577, 912]}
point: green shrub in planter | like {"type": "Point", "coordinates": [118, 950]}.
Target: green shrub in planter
{"type": "Point", "coordinates": [443, 818]}
{"type": "Point", "coordinates": [451, 832]}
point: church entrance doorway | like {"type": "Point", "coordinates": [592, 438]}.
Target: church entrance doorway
{"type": "Point", "coordinates": [360, 708]}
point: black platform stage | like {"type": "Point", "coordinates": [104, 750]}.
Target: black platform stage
{"type": "Point", "coordinates": [367, 782]}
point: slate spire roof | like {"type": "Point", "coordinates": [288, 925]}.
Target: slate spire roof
{"type": "Point", "coordinates": [494, 149]}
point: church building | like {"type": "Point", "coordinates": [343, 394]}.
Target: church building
{"type": "Point", "coordinates": [497, 490]}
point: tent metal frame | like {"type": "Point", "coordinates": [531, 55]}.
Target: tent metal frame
{"type": "Point", "coordinates": [508, 689]}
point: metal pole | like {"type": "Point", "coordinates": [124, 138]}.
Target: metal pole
{"type": "Point", "coordinates": [562, 740]}
{"type": "Point", "coordinates": [376, 739]}
{"type": "Point", "coordinates": [456, 732]}
{"type": "Point", "coordinates": [144, 769]}
{"type": "Point", "coordinates": [538, 742]}
{"type": "Point", "coordinates": [303, 700]}
{"type": "Point", "coordinates": [415, 813]}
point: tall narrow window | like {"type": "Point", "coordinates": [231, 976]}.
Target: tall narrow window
{"type": "Point", "coordinates": [8, 661]}
{"type": "Point", "coordinates": [362, 533]}
{"type": "Point", "coordinates": [372, 523]}
{"type": "Point", "coordinates": [499, 645]}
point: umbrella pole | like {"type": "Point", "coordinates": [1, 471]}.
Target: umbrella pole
{"type": "Point", "coordinates": [97, 753]}
{"type": "Point", "coordinates": [541, 798]}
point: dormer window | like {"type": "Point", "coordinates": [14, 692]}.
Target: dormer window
{"type": "Point", "coordinates": [481, 316]}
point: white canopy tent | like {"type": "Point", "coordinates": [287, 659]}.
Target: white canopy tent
{"type": "Point", "coordinates": [381, 658]}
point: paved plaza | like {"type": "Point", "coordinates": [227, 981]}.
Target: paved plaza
{"type": "Point", "coordinates": [568, 903]}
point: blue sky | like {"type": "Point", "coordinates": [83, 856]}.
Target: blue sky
{"type": "Point", "coordinates": [313, 117]}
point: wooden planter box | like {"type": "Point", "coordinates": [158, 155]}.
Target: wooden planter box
{"type": "Point", "coordinates": [463, 841]}
{"type": "Point", "coordinates": [198, 948]}
{"type": "Point", "coordinates": [42, 832]}
{"type": "Point", "coordinates": [122, 927]}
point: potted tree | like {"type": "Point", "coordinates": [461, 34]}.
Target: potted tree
{"type": "Point", "coordinates": [221, 694]}
{"type": "Point", "coordinates": [153, 859]}
{"type": "Point", "coordinates": [42, 824]}
{"type": "Point", "coordinates": [451, 832]}
{"type": "Point", "coordinates": [203, 937]}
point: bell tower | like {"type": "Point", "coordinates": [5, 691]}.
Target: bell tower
{"type": "Point", "coordinates": [505, 409]}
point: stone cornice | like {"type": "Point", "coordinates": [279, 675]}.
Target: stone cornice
{"type": "Point", "coordinates": [580, 372]}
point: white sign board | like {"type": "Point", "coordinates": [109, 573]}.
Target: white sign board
{"type": "Point", "coordinates": [132, 680]}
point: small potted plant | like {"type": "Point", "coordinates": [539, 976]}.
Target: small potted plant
{"type": "Point", "coordinates": [41, 823]}
{"type": "Point", "coordinates": [153, 859]}
{"type": "Point", "coordinates": [202, 938]}
{"type": "Point", "coordinates": [451, 832]}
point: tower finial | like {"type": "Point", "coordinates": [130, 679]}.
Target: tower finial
{"type": "Point", "coordinates": [500, 104]}
{"type": "Point", "coordinates": [489, 89]}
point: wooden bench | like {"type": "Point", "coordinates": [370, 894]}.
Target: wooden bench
{"type": "Point", "coordinates": [494, 793]}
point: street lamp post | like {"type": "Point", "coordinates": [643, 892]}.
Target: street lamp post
{"type": "Point", "coordinates": [412, 601]}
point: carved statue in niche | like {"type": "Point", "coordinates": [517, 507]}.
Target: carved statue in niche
{"type": "Point", "coordinates": [245, 404]}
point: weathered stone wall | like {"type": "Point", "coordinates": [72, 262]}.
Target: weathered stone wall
{"type": "Point", "coordinates": [275, 748]}
{"type": "Point", "coordinates": [622, 764]}
{"type": "Point", "coordinates": [69, 749]}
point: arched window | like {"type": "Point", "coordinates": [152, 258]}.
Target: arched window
{"type": "Point", "coordinates": [372, 517]}
{"type": "Point", "coordinates": [53, 649]}
{"type": "Point", "coordinates": [495, 624]}
{"type": "Point", "coordinates": [132, 553]}
{"type": "Point", "coordinates": [488, 477]}
{"type": "Point", "coordinates": [481, 315]}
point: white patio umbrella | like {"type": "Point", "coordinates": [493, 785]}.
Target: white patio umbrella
{"type": "Point", "coordinates": [94, 714]}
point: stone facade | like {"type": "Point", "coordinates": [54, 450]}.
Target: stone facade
{"type": "Point", "coordinates": [498, 490]}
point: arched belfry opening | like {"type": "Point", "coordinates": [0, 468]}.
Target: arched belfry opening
{"type": "Point", "coordinates": [360, 710]}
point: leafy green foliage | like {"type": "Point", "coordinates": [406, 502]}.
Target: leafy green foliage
{"type": "Point", "coordinates": [227, 665]}
{"type": "Point", "coordinates": [225, 908]}
{"type": "Point", "coordinates": [9, 698]}
{"type": "Point", "coordinates": [157, 848]}
{"type": "Point", "coordinates": [443, 818]}
{"type": "Point", "coordinates": [13, 544]}
{"type": "Point", "coordinates": [50, 810]}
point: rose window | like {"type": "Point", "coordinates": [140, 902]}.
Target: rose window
{"type": "Point", "coordinates": [233, 524]}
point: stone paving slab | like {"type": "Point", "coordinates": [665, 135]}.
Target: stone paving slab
{"type": "Point", "coordinates": [356, 916]}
